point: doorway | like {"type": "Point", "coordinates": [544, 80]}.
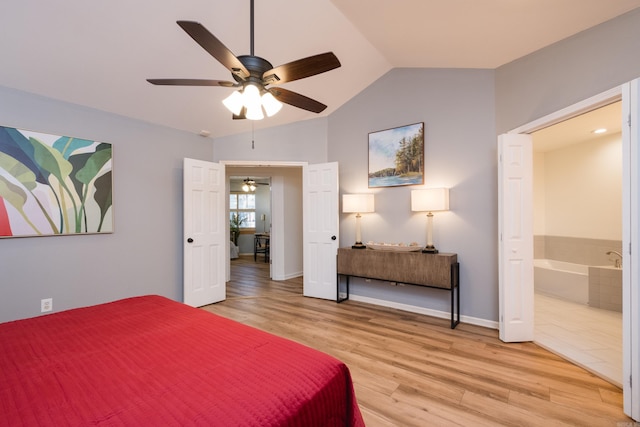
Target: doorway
{"type": "Point", "coordinates": [516, 271]}
{"type": "Point", "coordinates": [577, 234]}
{"type": "Point", "coordinates": [284, 221]}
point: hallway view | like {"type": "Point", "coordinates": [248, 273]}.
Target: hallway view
{"type": "Point", "coordinates": [589, 337]}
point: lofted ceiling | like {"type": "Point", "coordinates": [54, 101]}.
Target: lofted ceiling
{"type": "Point", "coordinates": [99, 54]}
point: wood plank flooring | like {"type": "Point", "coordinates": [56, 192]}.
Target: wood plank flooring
{"type": "Point", "coordinates": [413, 370]}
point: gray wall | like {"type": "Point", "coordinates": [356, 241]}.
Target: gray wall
{"type": "Point", "coordinates": [457, 108]}
{"type": "Point", "coordinates": [568, 72]}
{"type": "Point", "coordinates": [461, 122]}
{"type": "Point", "coordinates": [304, 141]}
{"type": "Point", "coordinates": [143, 255]}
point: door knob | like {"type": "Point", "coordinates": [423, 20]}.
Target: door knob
{"type": "Point", "coordinates": [189, 240]}
{"type": "Point", "coordinates": [333, 237]}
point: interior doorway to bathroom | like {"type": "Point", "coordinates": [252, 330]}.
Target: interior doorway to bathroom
{"type": "Point", "coordinates": [577, 227]}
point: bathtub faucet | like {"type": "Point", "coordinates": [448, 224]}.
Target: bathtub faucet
{"type": "Point", "coordinates": [618, 261]}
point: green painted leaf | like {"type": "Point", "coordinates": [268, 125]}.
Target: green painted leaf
{"type": "Point", "coordinates": [93, 166]}
{"type": "Point", "coordinates": [103, 195]}
{"type": "Point", "coordinates": [51, 160]}
{"type": "Point", "coordinates": [67, 145]}
{"type": "Point", "coordinates": [15, 144]}
{"type": "Point", "coordinates": [78, 161]}
{"type": "Point", "coordinates": [12, 193]}
{"type": "Point", "coordinates": [18, 170]}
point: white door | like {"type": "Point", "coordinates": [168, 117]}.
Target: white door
{"type": "Point", "coordinates": [515, 219]}
{"type": "Point", "coordinates": [320, 229]}
{"type": "Point", "coordinates": [631, 249]}
{"type": "Point", "coordinates": [205, 239]}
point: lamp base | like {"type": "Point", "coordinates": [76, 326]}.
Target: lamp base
{"type": "Point", "coordinates": [359, 245]}
{"type": "Point", "coordinates": [430, 250]}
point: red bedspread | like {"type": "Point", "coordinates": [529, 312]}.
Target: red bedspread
{"type": "Point", "coordinates": [150, 361]}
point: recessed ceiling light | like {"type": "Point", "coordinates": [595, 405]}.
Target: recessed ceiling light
{"type": "Point", "coordinates": [600, 130]}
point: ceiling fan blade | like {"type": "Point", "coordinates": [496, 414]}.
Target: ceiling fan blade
{"type": "Point", "coordinates": [301, 68]}
{"type": "Point", "coordinates": [191, 82]}
{"type": "Point", "coordinates": [297, 100]}
{"type": "Point", "coordinates": [211, 44]}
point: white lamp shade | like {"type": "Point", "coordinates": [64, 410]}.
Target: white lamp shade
{"type": "Point", "coordinates": [357, 203]}
{"type": "Point", "coordinates": [430, 200]}
{"type": "Point", "coordinates": [234, 102]}
{"type": "Point", "coordinates": [253, 102]}
{"type": "Point", "coordinates": [271, 104]}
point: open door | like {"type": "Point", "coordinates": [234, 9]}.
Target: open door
{"type": "Point", "coordinates": [515, 219]}
{"type": "Point", "coordinates": [205, 238]}
{"type": "Point", "coordinates": [631, 248]}
{"type": "Point", "coordinates": [320, 230]}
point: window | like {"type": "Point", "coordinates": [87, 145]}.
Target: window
{"type": "Point", "coordinates": [243, 205]}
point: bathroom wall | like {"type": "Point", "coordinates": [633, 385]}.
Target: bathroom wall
{"type": "Point", "coordinates": [578, 199]}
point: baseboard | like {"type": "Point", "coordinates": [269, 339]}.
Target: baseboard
{"type": "Point", "coordinates": [288, 276]}
{"type": "Point", "coordinates": [426, 311]}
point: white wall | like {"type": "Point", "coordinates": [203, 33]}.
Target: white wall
{"type": "Point", "coordinates": [539, 199]}
{"type": "Point", "coordinates": [583, 189]}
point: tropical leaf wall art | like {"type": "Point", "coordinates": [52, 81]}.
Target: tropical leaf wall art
{"type": "Point", "coordinates": [54, 185]}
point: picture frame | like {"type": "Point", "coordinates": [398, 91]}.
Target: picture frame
{"type": "Point", "coordinates": [396, 156]}
{"type": "Point", "coordinates": [54, 185]}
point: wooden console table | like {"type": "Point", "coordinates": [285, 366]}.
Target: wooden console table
{"type": "Point", "coordinates": [441, 271]}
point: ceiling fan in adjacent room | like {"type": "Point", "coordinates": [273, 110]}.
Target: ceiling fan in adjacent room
{"type": "Point", "coordinates": [253, 76]}
{"type": "Point", "coordinates": [251, 185]}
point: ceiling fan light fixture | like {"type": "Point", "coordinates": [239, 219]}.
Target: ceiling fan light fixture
{"type": "Point", "coordinates": [252, 102]}
{"type": "Point", "coordinates": [234, 102]}
{"type": "Point", "coordinates": [271, 104]}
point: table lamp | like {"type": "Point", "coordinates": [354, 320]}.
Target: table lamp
{"type": "Point", "coordinates": [430, 200]}
{"type": "Point", "coordinates": [358, 204]}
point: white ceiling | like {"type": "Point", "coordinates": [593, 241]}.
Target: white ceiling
{"type": "Point", "coordinates": [99, 53]}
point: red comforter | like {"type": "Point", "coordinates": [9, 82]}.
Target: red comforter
{"type": "Point", "coordinates": [150, 361]}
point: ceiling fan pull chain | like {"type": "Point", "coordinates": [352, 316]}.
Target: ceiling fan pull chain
{"type": "Point", "coordinates": [253, 144]}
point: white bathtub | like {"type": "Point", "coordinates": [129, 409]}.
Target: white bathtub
{"type": "Point", "coordinates": [561, 279]}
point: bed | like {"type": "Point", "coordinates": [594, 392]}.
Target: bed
{"type": "Point", "coordinates": [150, 361]}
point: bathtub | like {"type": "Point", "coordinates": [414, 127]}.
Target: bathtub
{"type": "Point", "coordinates": [561, 279]}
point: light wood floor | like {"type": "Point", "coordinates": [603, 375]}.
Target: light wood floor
{"type": "Point", "coordinates": [413, 370]}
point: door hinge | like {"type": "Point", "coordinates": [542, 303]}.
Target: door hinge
{"type": "Point", "coordinates": [629, 248]}
{"type": "Point", "coordinates": [629, 120]}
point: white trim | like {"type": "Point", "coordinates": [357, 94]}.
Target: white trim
{"type": "Point", "coordinates": [597, 101]}
{"type": "Point", "coordinates": [426, 311]}
{"type": "Point", "coordinates": [259, 163]}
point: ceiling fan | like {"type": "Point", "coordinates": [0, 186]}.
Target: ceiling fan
{"type": "Point", "coordinates": [253, 75]}
{"type": "Point", "coordinates": [251, 184]}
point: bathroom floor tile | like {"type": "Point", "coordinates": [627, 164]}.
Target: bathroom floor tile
{"type": "Point", "coordinates": [589, 337]}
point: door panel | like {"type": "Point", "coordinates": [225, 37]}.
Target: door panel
{"type": "Point", "coordinates": [320, 229]}
{"type": "Point", "coordinates": [515, 198]}
{"type": "Point", "coordinates": [204, 237]}
{"type": "Point", "coordinates": [631, 248]}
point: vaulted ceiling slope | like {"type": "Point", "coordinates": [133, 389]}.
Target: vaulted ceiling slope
{"type": "Point", "coordinates": [99, 54]}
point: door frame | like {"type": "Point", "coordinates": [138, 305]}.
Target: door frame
{"type": "Point", "coordinates": [631, 286]}
{"type": "Point", "coordinates": [276, 245]}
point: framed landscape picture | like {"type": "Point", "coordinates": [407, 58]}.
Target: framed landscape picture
{"type": "Point", "coordinates": [396, 156]}
{"type": "Point", "coordinates": [54, 185]}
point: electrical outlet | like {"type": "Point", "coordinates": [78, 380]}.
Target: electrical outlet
{"type": "Point", "coordinates": [46, 305]}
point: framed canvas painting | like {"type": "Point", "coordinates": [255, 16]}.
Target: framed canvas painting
{"type": "Point", "coordinates": [396, 156]}
{"type": "Point", "coordinates": [54, 185]}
